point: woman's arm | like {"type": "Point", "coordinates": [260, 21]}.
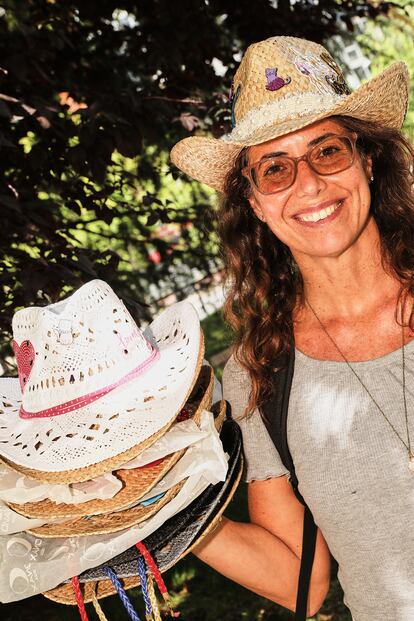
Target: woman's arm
{"type": "Point", "coordinates": [264, 556]}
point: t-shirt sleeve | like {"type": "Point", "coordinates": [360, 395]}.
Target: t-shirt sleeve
{"type": "Point", "coordinates": [261, 458]}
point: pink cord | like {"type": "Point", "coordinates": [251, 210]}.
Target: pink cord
{"type": "Point", "coordinates": [80, 402]}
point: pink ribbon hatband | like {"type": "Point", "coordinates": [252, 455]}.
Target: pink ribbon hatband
{"type": "Point", "coordinates": [80, 402]}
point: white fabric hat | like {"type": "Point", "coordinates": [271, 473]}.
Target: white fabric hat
{"type": "Point", "coordinates": [91, 385]}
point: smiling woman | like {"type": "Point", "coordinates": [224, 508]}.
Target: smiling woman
{"type": "Point", "coordinates": [298, 206]}
{"type": "Point", "coordinates": [317, 228]}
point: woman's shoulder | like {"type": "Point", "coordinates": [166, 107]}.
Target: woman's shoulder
{"type": "Point", "coordinates": [234, 372]}
{"type": "Point", "coordinates": [262, 460]}
{"type": "Point", "coordinates": [236, 386]}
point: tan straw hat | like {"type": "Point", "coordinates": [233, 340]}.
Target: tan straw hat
{"type": "Point", "coordinates": [282, 85]}
{"type": "Point", "coordinates": [106, 523]}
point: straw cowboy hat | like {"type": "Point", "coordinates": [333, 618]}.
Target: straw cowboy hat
{"type": "Point", "coordinates": [94, 390]}
{"type": "Point", "coordinates": [282, 85]}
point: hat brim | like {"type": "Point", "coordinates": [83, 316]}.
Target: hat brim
{"type": "Point", "coordinates": [176, 538]}
{"type": "Point", "coordinates": [382, 100]}
{"type": "Point", "coordinates": [135, 483]}
{"type": "Point", "coordinates": [106, 523]}
{"type": "Point", "coordinates": [100, 437]}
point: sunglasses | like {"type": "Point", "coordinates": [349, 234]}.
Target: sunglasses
{"type": "Point", "coordinates": [274, 174]}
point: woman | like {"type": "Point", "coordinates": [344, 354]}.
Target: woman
{"type": "Point", "coordinates": [317, 225]}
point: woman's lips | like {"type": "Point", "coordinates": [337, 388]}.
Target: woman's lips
{"type": "Point", "coordinates": [317, 217]}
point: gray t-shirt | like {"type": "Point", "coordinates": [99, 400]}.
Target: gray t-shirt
{"type": "Point", "coordinates": [352, 471]}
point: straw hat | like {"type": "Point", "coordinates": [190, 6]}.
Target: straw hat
{"type": "Point", "coordinates": [106, 523]}
{"type": "Point", "coordinates": [94, 390]}
{"type": "Point", "coordinates": [176, 538]}
{"type": "Point", "coordinates": [136, 482]}
{"type": "Point", "coordinates": [282, 85]}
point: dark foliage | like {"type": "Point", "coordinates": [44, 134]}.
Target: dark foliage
{"type": "Point", "coordinates": [81, 81]}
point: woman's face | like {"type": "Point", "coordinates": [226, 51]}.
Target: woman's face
{"type": "Point", "coordinates": [319, 215]}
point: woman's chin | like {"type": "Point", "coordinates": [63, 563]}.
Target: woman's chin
{"type": "Point", "coordinates": [332, 249]}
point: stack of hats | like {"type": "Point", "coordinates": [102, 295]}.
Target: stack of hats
{"type": "Point", "coordinates": [112, 467]}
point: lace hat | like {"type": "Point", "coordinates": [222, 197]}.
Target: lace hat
{"type": "Point", "coordinates": [284, 84]}
{"type": "Point", "coordinates": [93, 390]}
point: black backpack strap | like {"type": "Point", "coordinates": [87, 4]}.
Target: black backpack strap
{"type": "Point", "coordinates": [308, 554]}
{"type": "Point", "coordinates": [274, 414]}
{"type": "Point", "coordinates": [275, 411]}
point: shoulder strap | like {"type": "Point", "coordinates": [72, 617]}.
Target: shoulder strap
{"type": "Point", "coordinates": [275, 411]}
{"type": "Point", "coordinates": [274, 414]}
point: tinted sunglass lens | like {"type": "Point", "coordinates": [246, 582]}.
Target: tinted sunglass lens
{"type": "Point", "coordinates": [275, 175]}
{"type": "Point", "coordinates": [333, 155]}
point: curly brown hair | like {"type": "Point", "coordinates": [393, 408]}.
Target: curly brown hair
{"type": "Point", "coordinates": [265, 284]}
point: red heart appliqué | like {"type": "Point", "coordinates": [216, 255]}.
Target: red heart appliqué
{"type": "Point", "coordinates": [25, 356]}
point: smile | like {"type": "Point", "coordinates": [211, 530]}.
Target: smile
{"type": "Point", "coordinates": [322, 214]}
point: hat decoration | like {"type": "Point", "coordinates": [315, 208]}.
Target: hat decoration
{"type": "Point", "coordinates": [274, 82]}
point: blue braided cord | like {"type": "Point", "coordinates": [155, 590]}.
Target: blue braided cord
{"type": "Point", "coordinates": [121, 592]}
{"type": "Point", "coordinates": [143, 578]}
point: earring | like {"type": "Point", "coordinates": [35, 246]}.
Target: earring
{"type": "Point", "coordinates": [372, 178]}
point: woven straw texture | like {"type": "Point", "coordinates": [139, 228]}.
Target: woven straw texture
{"type": "Point", "coordinates": [178, 536]}
{"type": "Point", "coordinates": [106, 522]}
{"type": "Point", "coordinates": [136, 482]}
{"type": "Point", "coordinates": [284, 84]}
{"type": "Point", "coordinates": [174, 537]}
{"type": "Point", "coordinates": [63, 594]}
{"type": "Point", "coordinates": [219, 411]}
{"type": "Point", "coordinates": [78, 475]}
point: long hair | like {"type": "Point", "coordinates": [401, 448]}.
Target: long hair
{"type": "Point", "coordinates": [264, 282]}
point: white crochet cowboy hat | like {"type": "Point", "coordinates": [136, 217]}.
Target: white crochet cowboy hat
{"type": "Point", "coordinates": [284, 84]}
{"type": "Point", "coordinates": [138, 481]}
{"type": "Point", "coordinates": [93, 389]}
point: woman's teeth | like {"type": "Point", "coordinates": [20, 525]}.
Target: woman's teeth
{"type": "Point", "coordinates": [315, 216]}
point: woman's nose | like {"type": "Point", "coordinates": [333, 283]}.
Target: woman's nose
{"type": "Point", "coordinates": [307, 180]}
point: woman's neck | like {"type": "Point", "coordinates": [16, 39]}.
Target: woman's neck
{"type": "Point", "coordinates": [355, 299]}
{"type": "Point", "coordinates": [347, 287]}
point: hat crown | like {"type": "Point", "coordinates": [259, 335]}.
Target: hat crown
{"type": "Point", "coordinates": [77, 346]}
{"type": "Point", "coordinates": [282, 72]}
